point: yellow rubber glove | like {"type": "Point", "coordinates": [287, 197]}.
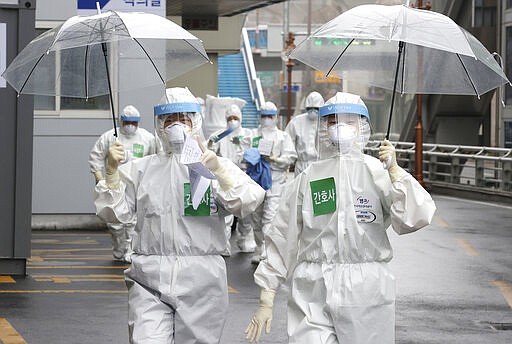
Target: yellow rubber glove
{"type": "Point", "coordinates": [262, 317]}
{"type": "Point", "coordinates": [114, 157]}
{"type": "Point", "coordinates": [212, 162]}
{"type": "Point", "coordinates": [387, 155]}
{"type": "Point", "coordinates": [98, 175]}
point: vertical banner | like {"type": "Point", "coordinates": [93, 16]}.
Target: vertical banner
{"type": "Point", "coordinates": [3, 52]}
{"type": "Point", "coordinates": [88, 7]}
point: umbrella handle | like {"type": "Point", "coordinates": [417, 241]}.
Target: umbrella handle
{"type": "Point", "coordinates": [104, 48]}
{"type": "Point", "coordinates": [401, 46]}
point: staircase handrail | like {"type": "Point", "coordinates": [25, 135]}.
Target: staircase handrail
{"type": "Point", "coordinates": [254, 81]}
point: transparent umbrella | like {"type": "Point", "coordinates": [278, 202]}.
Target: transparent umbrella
{"type": "Point", "coordinates": [144, 49]}
{"type": "Point", "coordinates": [435, 55]}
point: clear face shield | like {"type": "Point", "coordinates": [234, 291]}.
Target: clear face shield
{"type": "Point", "coordinates": [343, 134]}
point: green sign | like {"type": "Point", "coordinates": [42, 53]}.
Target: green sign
{"type": "Point", "coordinates": [138, 150]}
{"type": "Point", "coordinates": [323, 195]}
{"type": "Point", "coordinates": [204, 207]}
{"type": "Point", "coordinates": [256, 141]}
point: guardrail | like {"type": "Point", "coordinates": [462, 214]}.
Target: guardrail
{"type": "Point", "coordinates": [478, 168]}
{"type": "Point", "coordinates": [254, 81]}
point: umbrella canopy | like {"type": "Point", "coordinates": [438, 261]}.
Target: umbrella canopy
{"type": "Point", "coordinates": [438, 56]}
{"type": "Point", "coordinates": [144, 48]}
{"type": "Point", "coordinates": [75, 58]}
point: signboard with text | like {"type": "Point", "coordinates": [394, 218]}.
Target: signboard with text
{"type": "Point", "coordinates": [88, 7]}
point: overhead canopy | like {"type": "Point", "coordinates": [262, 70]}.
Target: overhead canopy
{"type": "Point", "coordinates": [217, 8]}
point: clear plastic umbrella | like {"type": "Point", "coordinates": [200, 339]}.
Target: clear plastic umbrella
{"type": "Point", "coordinates": [435, 55]}
{"type": "Point", "coordinates": [144, 49]}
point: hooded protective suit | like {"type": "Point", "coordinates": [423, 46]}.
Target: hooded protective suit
{"type": "Point", "coordinates": [138, 143]}
{"type": "Point", "coordinates": [282, 156]}
{"type": "Point", "coordinates": [234, 144]}
{"type": "Point", "coordinates": [232, 147]}
{"type": "Point", "coordinates": [302, 130]}
{"type": "Point", "coordinates": [329, 237]}
{"type": "Point", "coordinates": [177, 287]}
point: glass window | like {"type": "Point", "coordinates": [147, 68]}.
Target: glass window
{"type": "Point", "coordinates": [509, 3]}
{"type": "Point", "coordinates": [508, 64]}
{"type": "Point", "coordinates": [508, 134]}
{"type": "Point", "coordinates": [258, 40]}
{"type": "Point", "coordinates": [96, 103]}
{"type": "Point", "coordinates": [46, 102]}
{"type": "Point", "coordinates": [58, 103]}
{"type": "Point", "coordinates": [74, 66]}
{"type": "Point", "coordinates": [484, 13]}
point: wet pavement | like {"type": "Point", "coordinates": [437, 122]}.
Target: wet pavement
{"type": "Point", "coordinates": [454, 285]}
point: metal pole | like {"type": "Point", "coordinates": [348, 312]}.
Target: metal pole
{"type": "Point", "coordinates": [419, 142]}
{"type": "Point", "coordinates": [285, 30]}
{"type": "Point", "coordinates": [307, 74]}
{"type": "Point", "coordinates": [289, 66]}
{"type": "Point", "coordinates": [418, 161]}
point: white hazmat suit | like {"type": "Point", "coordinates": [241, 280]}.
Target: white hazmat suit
{"type": "Point", "coordinates": [232, 146]}
{"type": "Point", "coordinates": [281, 157]}
{"type": "Point", "coordinates": [329, 236]}
{"type": "Point", "coordinates": [302, 130]}
{"type": "Point", "coordinates": [177, 286]}
{"type": "Point", "coordinates": [138, 142]}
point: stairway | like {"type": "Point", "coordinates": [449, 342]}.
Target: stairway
{"type": "Point", "coordinates": [233, 82]}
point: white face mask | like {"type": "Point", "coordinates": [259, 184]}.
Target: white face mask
{"type": "Point", "coordinates": [267, 122]}
{"type": "Point", "coordinates": [313, 114]}
{"type": "Point", "coordinates": [176, 132]}
{"type": "Point", "coordinates": [129, 129]}
{"type": "Point", "coordinates": [233, 124]}
{"type": "Point", "coordinates": [343, 136]}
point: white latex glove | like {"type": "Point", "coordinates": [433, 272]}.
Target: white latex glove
{"type": "Point", "coordinates": [262, 317]}
{"type": "Point", "coordinates": [387, 155]}
{"type": "Point", "coordinates": [114, 157]}
{"type": "Point", "coordinates": [212, 162]}
{"type": "Point", "coordinates": [98, 175]}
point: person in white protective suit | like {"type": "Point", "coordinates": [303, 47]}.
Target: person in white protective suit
{"type": "Point", "coordinates": [282, 155]}
{"type": "Point", "coordinates": [329, 236]}
{"type": "Point", "coordinates": [138, 143]}
{"type": "Point", "coordinates": [302, 129]}
{"type": "Point", "coordinates": [177, 287]}
{"type": "Point", "coordinates": [232, 146]}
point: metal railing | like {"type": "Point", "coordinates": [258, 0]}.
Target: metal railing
{"type": "Point", "coordinates": [484, 168]}
{"type": "Point", "coordinates": [254, 81]}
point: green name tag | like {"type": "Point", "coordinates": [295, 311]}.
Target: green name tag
{"type": "Point", "coordinates": [204, 207]}
{"type": "Point", "coordinates": [323, 195]}
{"type": "Point", "coordinates": [138, 150]}
{"type": "Point", "coordinates": [256, 141]}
